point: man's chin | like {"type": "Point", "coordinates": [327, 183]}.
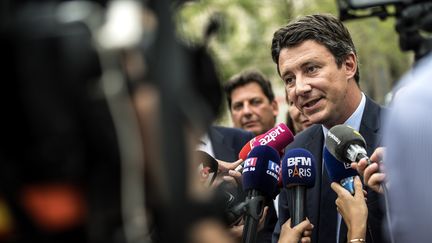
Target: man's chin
{"type": "Point", "coordinates": [314, 119]}
{"type": "Point", "coordinates": [254, 129]}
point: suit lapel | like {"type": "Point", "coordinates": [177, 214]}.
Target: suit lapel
{"type": "Point", "coordinates": [222, 148]}
{"type": "Point", "coordinates": [370, 125]}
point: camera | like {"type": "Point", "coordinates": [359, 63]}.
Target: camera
{"type": "Point", "coordinates": [413, 20]}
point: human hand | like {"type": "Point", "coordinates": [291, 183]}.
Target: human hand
{"type": "Point", "coordinates": [227, 172]}
{"type": "Point", "coordinates": [352, 208]}
{"type": "Point", "coordinates": [224, 166]}
{"type": "Point", "coordinates": [372, 176]}
{"type": "Point", "coordinates": [299, 233]}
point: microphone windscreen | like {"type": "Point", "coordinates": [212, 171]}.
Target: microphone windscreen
{"type": "Point", "coordinates": [336, 169]}
{"type": "Point", "coordinates": [340, 137]}
{"type": "Point", "coordinates": [248, 147]}
{"type": "Point", "coordinates": [261, 170]}
{"type": "Point", "coordinates": [298, 168]}
{"type": "Point", "coordinates": [278, 137]}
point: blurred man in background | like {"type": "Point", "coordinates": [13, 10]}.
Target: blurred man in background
{"type": "Point", "coordinates": [251, 102]}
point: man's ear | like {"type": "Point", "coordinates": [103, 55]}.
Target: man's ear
{"type": "Point", "coordinates": [350, 65]}
{"type": "Point", "coordinates": [275, 107]}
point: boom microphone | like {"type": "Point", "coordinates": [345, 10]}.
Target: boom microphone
{"type": "Point", "coordinates": [278, 138]}
{"type": "Point", "coordinates": [260, 178]}
{"type": "Point", "coordinates": [339, 172]}
{"type": "Point", "coordinates": [298, 173]}
{"type": "Point", "coordinates": [346, 144]}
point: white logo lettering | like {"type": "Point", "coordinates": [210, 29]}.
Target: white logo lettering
{"type": "Point", "coordinates": [294, 161]}
{"type": "Point", "coordinates": [347, 166]}
{"type": "Point", "coordinates": [271, 135]}
{"type": "Point", "coordinates": [300, 172]}
{"type": "Point", "coordinates": [332, 136]}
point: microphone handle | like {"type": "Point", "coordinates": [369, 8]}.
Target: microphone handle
{"type": "Point", "coordinates": [252, 216]}
{"type": "Point", "coordinates": [298, 202]}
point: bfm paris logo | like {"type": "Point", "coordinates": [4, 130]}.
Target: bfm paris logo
{"type": "Point", "coordinates": [296, 171]}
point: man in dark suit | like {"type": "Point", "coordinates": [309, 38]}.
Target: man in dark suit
{"type": "Point", "coordinates": [317, 61]}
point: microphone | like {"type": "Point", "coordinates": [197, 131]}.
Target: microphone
{"type": "Point", "coordinates": [298, 173]}
{"type": "Point", "coordinates": [260, 178]}
{"type": "Point", "coordinates": [207, 168]}
{"type": "Point", "coordinates": [346, 144]}
{"type": "Point", "coordinates": [278, 138]}
{"type": "Point", "coordinates": [339, 172]}
{"type": "Point", "coordinates": [248, 147]}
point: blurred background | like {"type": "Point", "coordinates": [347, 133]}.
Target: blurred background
{"type": "Point", "coordinates": [247, 27]}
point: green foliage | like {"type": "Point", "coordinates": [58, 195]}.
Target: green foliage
{"type": "Point", "coordinates": [244, 39]}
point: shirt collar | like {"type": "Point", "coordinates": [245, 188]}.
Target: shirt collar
{"type": "Point", "coordinates": [354, 120]}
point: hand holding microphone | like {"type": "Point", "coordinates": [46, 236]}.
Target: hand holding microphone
{"type": "Point", "coordinates": [352, 208]}
{"type": "Point", "coordinates": [227, 173]}
{"type": "Point", "coordinates": [372, 176]}
{"type": "Point", "coordinates": [348, 145]}
{"type": "Point", "coordinates": [299, 233]}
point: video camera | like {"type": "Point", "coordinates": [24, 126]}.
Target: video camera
{"type": "Point", "coordinates": [413, 20]}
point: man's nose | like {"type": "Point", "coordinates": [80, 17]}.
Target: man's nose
{"type": "Point", "coordinates": [247, 109]}
{"type": "Point", "coordinates": [302, 86]}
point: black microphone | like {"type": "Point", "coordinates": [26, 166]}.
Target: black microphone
{"type": "Point", "coordinates": [346, 144]}
{"type": "Point", "coordinates": [260, 179]}
{"type": "Point", "coordinates": [298, 173]}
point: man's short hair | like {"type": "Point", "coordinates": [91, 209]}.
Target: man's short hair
{"type": "Point", "coordinates": [246, 77]}
{"type": "Point", "coordinates": [322, 28]}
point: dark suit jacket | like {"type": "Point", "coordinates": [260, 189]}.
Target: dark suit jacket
{"type": "Point", "coordinates": [227, 143]}
{"type": "Point", "coordinates": [312, 139]}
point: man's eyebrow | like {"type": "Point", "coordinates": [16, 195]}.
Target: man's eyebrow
{"type": "Point", "coordinates": [285, 73]}
{"type": "Point", "coordinates": [302, 65]}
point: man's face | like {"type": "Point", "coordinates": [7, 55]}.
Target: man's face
{"type": "Point", "coordinates": [324, 93]}
{"type": "Point", "coordinates": [251, 110]}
